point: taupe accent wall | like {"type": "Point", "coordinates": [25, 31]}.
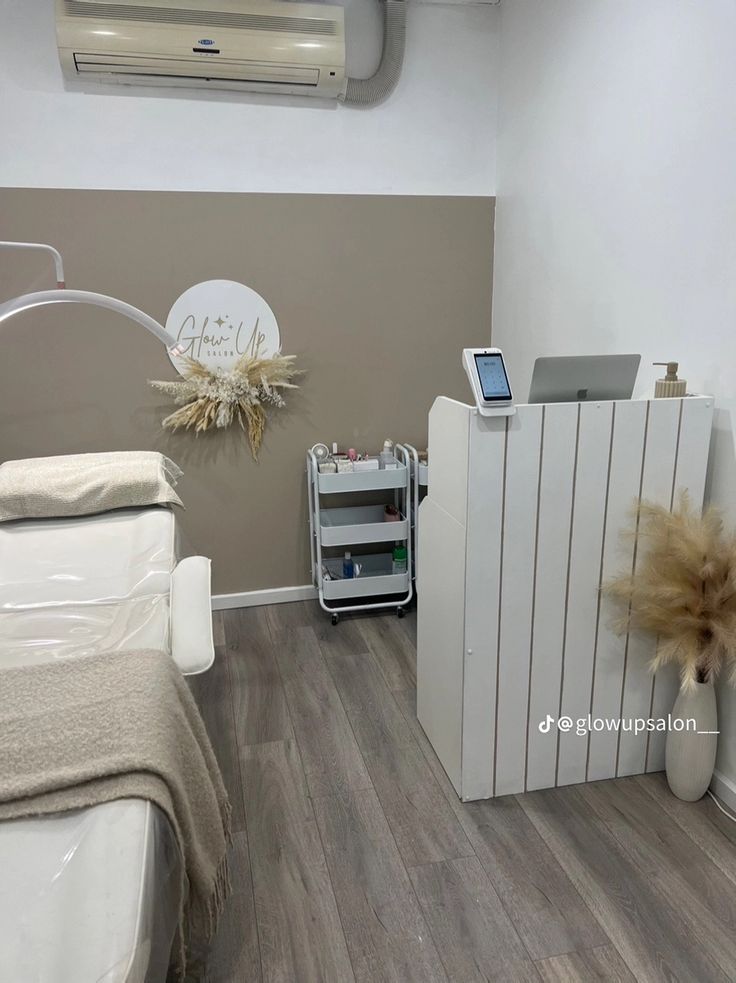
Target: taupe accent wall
{"type": "Point", "coordinates": [375, 295]}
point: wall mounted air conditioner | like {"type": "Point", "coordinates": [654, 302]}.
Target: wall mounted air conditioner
{"type": "Point", "coordinates": [262, 46]}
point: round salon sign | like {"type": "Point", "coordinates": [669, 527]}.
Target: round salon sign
{"type": "Point", "coordinates": [218, 321]}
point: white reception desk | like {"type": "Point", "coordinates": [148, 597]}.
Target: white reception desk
{"type": "Point", "coordinates": [521, 524]}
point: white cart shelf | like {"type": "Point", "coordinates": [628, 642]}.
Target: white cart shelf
{"type": "Point", "coordinates": [358, 525]}
{"type": "Point", "coordinates": [364, 524]}
{"type": "Point", "coordinates": [376, 576]}
{"type": "Point", "coordinates": [358, 481]}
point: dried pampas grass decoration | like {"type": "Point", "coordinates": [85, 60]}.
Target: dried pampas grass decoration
{"type": "Point", "coordinates": [683, 590]}
{"type": "Point", "coordinates": [215, 398]}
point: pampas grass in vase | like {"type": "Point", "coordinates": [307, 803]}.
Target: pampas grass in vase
{"type": "Point", "coordinates": [683, 591]}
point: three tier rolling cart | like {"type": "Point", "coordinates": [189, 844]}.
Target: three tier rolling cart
{"type": "Point", "coordinates": [332, 530]}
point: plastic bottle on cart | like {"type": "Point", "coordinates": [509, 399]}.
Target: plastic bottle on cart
{"type": "Point", "coordinates": [386, 457]}
{"type": "Point", "coordinates": [399, 559]}
{"type": "Point", "coordinates": [348, 570]}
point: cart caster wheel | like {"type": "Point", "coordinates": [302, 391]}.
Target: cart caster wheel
{"type": "Point", "coordinates": [335, 618]}
{"type": "Point", "coordinates": [401, 612]}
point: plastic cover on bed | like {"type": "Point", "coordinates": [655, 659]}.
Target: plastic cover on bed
{"type": "Point", "coordinates": [83, 585]}
{"type": "Point", "coordinates": [89, 896]}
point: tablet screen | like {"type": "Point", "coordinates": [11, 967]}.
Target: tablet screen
{"type": "Point", "coordinates": [492, 374]}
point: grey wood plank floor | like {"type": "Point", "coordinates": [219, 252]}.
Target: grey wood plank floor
{"type": "Point", "coordinates": [354, 861]}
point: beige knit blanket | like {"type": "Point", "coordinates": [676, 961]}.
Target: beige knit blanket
{"type": "Point", "coordinates": [80, 731]}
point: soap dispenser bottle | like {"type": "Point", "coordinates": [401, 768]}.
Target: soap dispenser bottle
{"type": "Point", "coordinates": [386, 457]}
{"type": "Point", "coordinates": [669, 386]}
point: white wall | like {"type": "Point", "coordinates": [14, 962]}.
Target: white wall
{"type": "Point", "coordinates": [435, 136]}
{"type": "Point", "coordinates": [616, 212]}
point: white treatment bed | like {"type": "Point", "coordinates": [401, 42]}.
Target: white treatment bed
{"type": "Point", "coordinates": [92, 896]}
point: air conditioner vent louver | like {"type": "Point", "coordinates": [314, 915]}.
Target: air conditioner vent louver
{"type": "Point", "coordinates": [213, 18]}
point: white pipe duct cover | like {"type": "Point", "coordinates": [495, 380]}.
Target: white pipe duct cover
{"type": "Point", "coordinates": [371, 91]}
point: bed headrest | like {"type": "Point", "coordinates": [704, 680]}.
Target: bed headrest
{"type": "Point", "coordinates": [84, 484]}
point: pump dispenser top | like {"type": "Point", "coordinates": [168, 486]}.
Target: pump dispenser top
{"type": "Point", "coordinates": [670, 386]}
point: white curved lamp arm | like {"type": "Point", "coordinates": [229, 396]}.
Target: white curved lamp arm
{"type": "Point", "coordinates": [58, 263]}
{"type": "Point", "coordinates": [43, 297]}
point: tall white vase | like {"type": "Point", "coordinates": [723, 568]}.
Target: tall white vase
{"type": "Point", "coordinates": [690, 756]}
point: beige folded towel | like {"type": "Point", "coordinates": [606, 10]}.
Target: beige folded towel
{"type": "Point", "coordinates": [78, 732]}
{"type": "Point", "coordinates": [83, 484]}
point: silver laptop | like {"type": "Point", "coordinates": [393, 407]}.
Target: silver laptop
{"type": "Point", "coordinates": [572, 378]}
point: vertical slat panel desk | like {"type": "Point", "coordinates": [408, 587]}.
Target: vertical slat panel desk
{"type": "Point", "coordinates": [522, 523]}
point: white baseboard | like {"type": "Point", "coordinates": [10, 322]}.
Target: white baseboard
{"type": "Point", "coordinates": [254, 598]}
{"type": "Point", "coordinates": [725, 789]}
